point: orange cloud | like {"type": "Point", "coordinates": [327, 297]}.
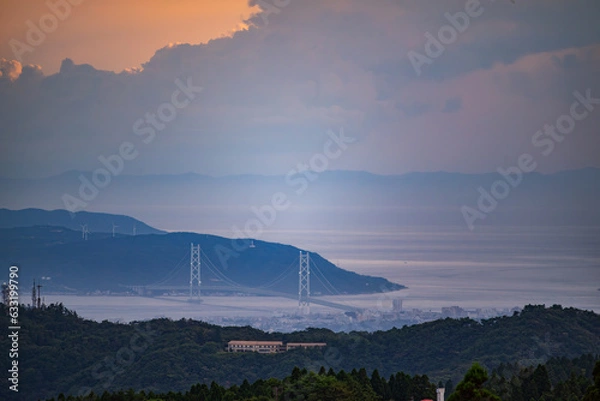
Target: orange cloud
{"type": "Point", "coordinates": [117, 35]}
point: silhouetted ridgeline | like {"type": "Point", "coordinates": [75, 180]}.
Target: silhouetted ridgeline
{"type": "Point", "coordinates": [430, 198]}
{"type": "Point", "coordinates": [96, 222]}
{"type": "Point", "coordinates": [60, 352]}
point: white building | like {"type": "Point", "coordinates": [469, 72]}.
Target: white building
{"type": "Point", "coordinates": [440, 394]}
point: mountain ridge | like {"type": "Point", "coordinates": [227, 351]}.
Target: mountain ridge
{"type": "Point", "coordinates": [75, 173]}
{"type": "Point", "coordinates": [96, 222]}
{"type": "Point", "coordinates": [107, 263]}
{"type": "Point", "coordinates": [206, 203]}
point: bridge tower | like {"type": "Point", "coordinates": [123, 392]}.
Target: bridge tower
{"type": "Point", "coordinates": [195, 271]}
{"type": "Point", "coordinates": [304, 283]}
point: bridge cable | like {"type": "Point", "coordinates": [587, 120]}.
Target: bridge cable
{"type": "Point", "coordinates": [331, 288]}
{"type": "Point", "coordinates": [171, 273]}
{"type": "Point", "coordinates": [281, 276]}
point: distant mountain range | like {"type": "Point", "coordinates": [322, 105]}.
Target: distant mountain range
{"type": "Point", "coordinates": [67, 262]}
{"type": "Point", "coordinates": [329, 200]}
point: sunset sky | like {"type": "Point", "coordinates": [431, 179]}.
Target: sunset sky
{"type": "Point", "coordinates": [273, 85]}
{"type": "Point", "coordinates": [115, 35]}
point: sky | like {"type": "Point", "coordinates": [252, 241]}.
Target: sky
{"type": "Point", "coordinates": [263, 87]}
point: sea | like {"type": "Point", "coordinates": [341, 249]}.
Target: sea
{"type": "Point", "coordinates": [490, 267]}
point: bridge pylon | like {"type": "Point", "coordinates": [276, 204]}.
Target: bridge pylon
{"type": "Point", "coordinates": [304, 283]}
{"type": "Point", "coordinates": [195, 272]}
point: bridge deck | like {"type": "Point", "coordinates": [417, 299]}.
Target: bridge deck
{"type": "Point", "coordinates": [247, 290]}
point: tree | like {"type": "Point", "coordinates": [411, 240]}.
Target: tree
{"type": "Point", "coordinates": [471, 387]}
{"type": "Point", "coordinates": [378, 384]}
{"type": "Point", "coordinates": [449, 387]}
{"type": "Point", "coordinates": [541, 381]}
{"type": "Point", "coordinates": [296, 374]}
{"type": "Point", "coordinates": [593, 392]}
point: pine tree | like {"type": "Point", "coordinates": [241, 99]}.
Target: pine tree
{"type": "Point", "coordinates": [471, 387]}
{"type": "Point", "coordinates": [593, 392]}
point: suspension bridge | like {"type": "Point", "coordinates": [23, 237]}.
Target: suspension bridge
{"type": "Point", "coordinates": [306, 268]}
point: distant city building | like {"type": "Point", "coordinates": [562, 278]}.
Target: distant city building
{"type": "Point", "coordinates": [454, 312]}
{"type": "Point", "coordinates": [268, 347]}
{"type": "Point", "coordinates": [397, 305]}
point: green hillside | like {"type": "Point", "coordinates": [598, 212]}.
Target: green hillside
{"type": "Point", "coordinates": [530, 383]}
{"type": "Point", "coordinates": [60, 352]}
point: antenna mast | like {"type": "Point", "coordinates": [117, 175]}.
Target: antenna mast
{"type": "Point", "coordinates": [39, 298]}
{"type": "Point", "coordinates": [33, 295]}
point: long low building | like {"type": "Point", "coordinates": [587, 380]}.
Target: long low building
{"type": "Point", "coordinates": [263, 347]}
{"type": "Point", "coordinates": [290, 346]}
{"type": "Point", "coordinates": [268, 347]}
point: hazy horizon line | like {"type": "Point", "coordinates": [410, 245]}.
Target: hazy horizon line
{"type": "Point", "coordinates": [278, 175]}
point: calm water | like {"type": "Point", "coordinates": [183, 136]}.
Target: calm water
{"type": "Point", "coordinates": [499, 267]}
{"type": "Point", "coordinates": [491, 268]}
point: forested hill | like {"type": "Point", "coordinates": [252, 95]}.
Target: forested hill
{"type": "Point", "coordinates": [60, 352]}
{"type": "Point", "coordinates": [557, 380]}
{"type": "Point", "coordinates": [103, 262]}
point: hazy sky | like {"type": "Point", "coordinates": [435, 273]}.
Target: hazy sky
{"type": "Point", "coordinates": [273, 85]}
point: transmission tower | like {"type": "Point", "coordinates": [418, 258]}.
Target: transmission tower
{"type": "Point", "coordinates": [304, 282]}
{"type": "Point", "coordinates": [195, 272]}
{"type": "Point", "coordinates": [39, 297]}
{"type": "Point", "coordinates": [33, 295]}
